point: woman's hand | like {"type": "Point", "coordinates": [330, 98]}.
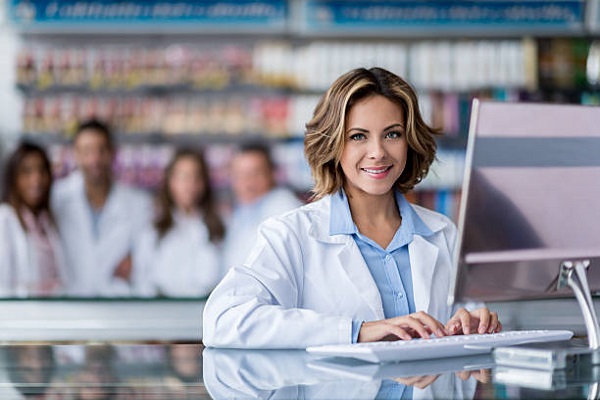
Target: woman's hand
{"type": "Point", "coordinates": [483, 375]}
{"type": "Point", "coordinates": [419, 324]}
{"type": "Point", "coordinates": [420, 382]}
{"type": "Point", "coordinates": [479, 321]}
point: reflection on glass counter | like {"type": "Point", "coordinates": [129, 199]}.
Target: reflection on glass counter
{"type": "Point", "coordinates": [101, 372]}
{"type": "Point", "coordinates": [188, 371]}
{"type": "Point", "coordinates": [305, 376]}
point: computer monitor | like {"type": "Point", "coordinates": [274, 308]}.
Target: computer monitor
{"type": "Point", "coordinates": [530, 200]}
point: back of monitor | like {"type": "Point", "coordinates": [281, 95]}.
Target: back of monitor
{"type": "Point", "coordinates": [530, 200]}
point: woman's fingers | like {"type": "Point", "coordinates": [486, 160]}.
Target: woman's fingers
{"type": "Point", "coordinates": [482, 375]}
{"type": "Point", "coordinates": [420, 382]}
{"type": "Point", "coordinates": [406, 327]}
{"type": "Point", "coordinates": [428, 324]}
{"type": "Point", "coordinates": [495, 325]}
{"type": "Point", "coordinates": [382, 330]}
{"type": "Point", "coordinates": [479, 321]}
{"type": "Point", "coordinates": [461, 321]}
{"type": "Point", "coordinates": [484, 319]}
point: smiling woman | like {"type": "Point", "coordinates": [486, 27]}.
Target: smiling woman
{"type": "Point", "coordinates": [360, 263]}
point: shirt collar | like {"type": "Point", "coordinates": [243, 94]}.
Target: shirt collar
{"type": "Point", "coordinates": [341, 222]}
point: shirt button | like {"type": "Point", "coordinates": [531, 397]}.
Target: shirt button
{"type": "Point", "coordinates": [388, 257]}
{"type": "Point", "coordinates": [400, 295]}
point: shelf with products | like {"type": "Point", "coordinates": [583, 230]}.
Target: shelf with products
{"type": "Point", "coordinates": [297, 73]}
{"type": "Point", "coordinates": [215, 91]}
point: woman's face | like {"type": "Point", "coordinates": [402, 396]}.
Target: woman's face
{"type": "Point", "coordinates": [375, 147]}
{"type": "Point", "coordinates": [33, 180]}
{"type": "Point", "coordinates": [186, 184]}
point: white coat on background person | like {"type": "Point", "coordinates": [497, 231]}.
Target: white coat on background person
{"type": "Point", "coordinates": [360, 264]}
{"type": "Point", "coordinates": [99, 219]}
{"type": "Point", "coordinates": [92, 259]}
{"type": "Point", "coordinates": [184, 263]}
{"type": "Point", "coordinates": [31, 256]}
{"type": "Point", "coordinates": [257, 198]}
{"type": "Point", "coordinates": [19, 264]}
{"type": "Point", "coordinates": [302, 287]}
{"type": "Point", "coordinates": [180, 255]}
{"type": "Point", "coordinates": [243, 227]}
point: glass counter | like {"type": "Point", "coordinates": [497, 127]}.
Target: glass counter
{"type": "Point", "coordinates": [188, 371]}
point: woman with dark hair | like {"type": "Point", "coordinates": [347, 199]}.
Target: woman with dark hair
{"type": "Point", "coordinates": [180, 256]}
{"type": "Point", "coordinates": [31, 258]}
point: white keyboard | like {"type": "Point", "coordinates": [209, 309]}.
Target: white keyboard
{"type": "Point", "coordinates": [448, 346]}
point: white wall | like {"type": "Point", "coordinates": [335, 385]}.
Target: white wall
{"type": "Point", "coordinates": [10, 99]}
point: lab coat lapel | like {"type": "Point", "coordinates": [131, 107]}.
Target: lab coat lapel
{"type": "Point", "coordinates": [358, 273]}
{"type": "Point", "coordinates": [111, 230]}
{"type": "Point", "coordinates": [349, 257]}
{"type": "Point", "coordinates": [423, 257]}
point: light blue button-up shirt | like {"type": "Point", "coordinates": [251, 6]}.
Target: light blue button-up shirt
{"type": "Point", "coordinates": [390, 267]}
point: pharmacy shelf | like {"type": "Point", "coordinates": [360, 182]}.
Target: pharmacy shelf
{"type": "Point", "coordinates": [160, 90]}
{"type": "Point", "coordinates": [161, 138]}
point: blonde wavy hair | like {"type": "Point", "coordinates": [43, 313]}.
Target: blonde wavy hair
{"type": "Point", "coordinates": [325, 132]}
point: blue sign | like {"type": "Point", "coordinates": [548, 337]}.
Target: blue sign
{"type": "Point", "coordinates": [268, 13]}
{"type": "Point", "coordinates": [379, 15]}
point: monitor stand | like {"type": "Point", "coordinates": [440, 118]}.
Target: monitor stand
{"type": "Point", "coordinates": [573, 275]}
{"type": "Point", "coordinates": [583, 362]}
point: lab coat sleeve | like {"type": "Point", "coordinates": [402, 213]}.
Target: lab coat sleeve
{"type": "Point", "coordinates": [142, 213]}
{"type": "Point", "coordinates": [142, 259]}
{"type": "Point", "coordinates": [258, 304]}
{"type": "Point", "coordinates": [7, 253]}
{"type": "Point", "coordinates": [209, 273]}
{"type": "Point", "coordinates": [141, 229]}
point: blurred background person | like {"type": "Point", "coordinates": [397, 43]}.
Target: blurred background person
{"type": "Point", "coordinates": [31, 256]}
{"type": "Point", "coordinates": [257, 198]}
{"type": "Point", "coordinates": [99, 219]}
{"type": "Point", "coordinates": [180, 256]}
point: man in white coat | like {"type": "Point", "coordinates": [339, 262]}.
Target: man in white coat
{"type": "Point", "coordinates": [257, 198]}
{"type": "Point", "coordinates": [99, 219]}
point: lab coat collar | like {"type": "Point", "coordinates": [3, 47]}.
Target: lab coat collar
{"type": "Point", "coordinates": [426, 222]}
{"type": "Point", "coordinates": [358, 273]}
{"type": "Point", "coordinates": [341, 218]}
{"type": "Point", "coordinates": [422, 252]}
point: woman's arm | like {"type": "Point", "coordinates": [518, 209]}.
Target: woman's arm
{"type": "Point", "coordinates": [257, 304]}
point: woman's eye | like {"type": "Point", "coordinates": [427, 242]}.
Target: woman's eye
{"type": "Point", "coordinates": [393, 135]}
{"type": "Point", "coordinates": [357, 136]}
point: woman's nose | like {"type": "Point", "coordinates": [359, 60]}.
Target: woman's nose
{"type": "Point", "coordinates": [376, 149]}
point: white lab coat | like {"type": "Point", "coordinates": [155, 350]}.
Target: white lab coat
{"type": "Point", "coordinates": [92, 262]}
{"type": "Point", "coordinates": [302, 287]}
{"type": "Point", "coordinates": [184, 263]}
{"type": "Point", "coordinates": [18, 258]}
{"type": "Point", "coordinates": [243, 227]}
